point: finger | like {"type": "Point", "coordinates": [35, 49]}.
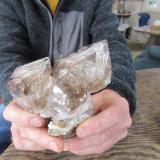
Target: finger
{"type": "Point", "coordinates": [77, 143]}
{"type": "Point", "coordinates": [27, 145]}
{"type": "Point", "coordinates": [106, 146]}
{"type": "Point", "coordinates": [20, 117]}
{"type": "Point", "coordinates": [97, 102]}
{"type": "Point", "coordinates": [40, 136]}
{"type": "Point", "coordinates": [106, 118]}
{"type": "Point", "coordinates": [100, 122]}
{"type": "Point", "coordinates": [98, 144]}
{"type": "Point", "coordinates": [103, 99]}
{"type": "Point", "coordinates": [23, 143]}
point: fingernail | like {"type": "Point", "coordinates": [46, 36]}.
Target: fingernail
{"type": "Point", "coordinates": [53, 146]}
{"type": "Point", "coordinates": [36, 122]}
{"type": "Point", "coordinates": [82, 131]}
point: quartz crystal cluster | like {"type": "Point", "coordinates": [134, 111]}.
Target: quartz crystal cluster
{"type": "Point", "coordinates": [62, 93]}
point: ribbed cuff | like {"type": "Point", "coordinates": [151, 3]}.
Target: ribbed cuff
{"type": "Point", "coordinates": [125, 92]}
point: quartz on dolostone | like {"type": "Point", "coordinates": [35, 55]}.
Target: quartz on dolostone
{"type": "Point", "coordinates": [63, 93]}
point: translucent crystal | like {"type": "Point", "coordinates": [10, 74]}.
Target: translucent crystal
{"type": "Point", "coordinates": [63, 93]}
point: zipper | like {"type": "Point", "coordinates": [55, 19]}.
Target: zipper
{"type": "Point", "coordinates": [51, 28]}
{"type": "Point", "coordinates": [51, 55]}
{"type": "Point", "coordinates": [52, 22]}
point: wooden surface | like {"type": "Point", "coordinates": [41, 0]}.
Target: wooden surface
{"type": "Point", "coordinates": [123, 14]}
{"type": "Point", "coordinates": [154, 35]}
{"type": "Point", "coordinates": [147, 30]}
{"type": "Point", "coordinates": [143, 141]}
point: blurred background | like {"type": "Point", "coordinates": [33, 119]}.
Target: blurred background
{"type": "Point", "coordinates": [139, 22]}
{"type": "Point", "coordinates": [140, 25]}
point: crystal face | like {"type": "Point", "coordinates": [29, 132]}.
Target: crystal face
{"type": "Point", "coordinates": [63, 93]}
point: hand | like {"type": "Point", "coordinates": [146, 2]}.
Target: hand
{"type": "Point", "coordinates": [99, 133]}
{"type": "Point", "coordinates": [29, 132]}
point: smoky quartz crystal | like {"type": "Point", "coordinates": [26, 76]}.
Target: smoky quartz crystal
{"type": "Point", "coordinates": [62, 93]}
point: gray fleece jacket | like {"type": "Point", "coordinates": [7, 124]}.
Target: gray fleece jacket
{"type": "Point", "coordinates": [26, 34]}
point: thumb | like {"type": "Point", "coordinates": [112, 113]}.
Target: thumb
{"type": "Point", "coordinates": [97, 102]}
{"type": "Point", "coordinates": [103, 118]}
{"type": "Point", "coordinates": [87, 127]}
{"type": "Point", "coordinates": [98, 123]}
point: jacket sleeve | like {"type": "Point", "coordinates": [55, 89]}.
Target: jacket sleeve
{"type": "Point", "coordinates": [123, 77]}
{"type": "Point", "coordinates": [14, 45]}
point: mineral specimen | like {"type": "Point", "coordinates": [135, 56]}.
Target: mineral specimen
{"type": "Point", "coordinates": [63, 93]}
